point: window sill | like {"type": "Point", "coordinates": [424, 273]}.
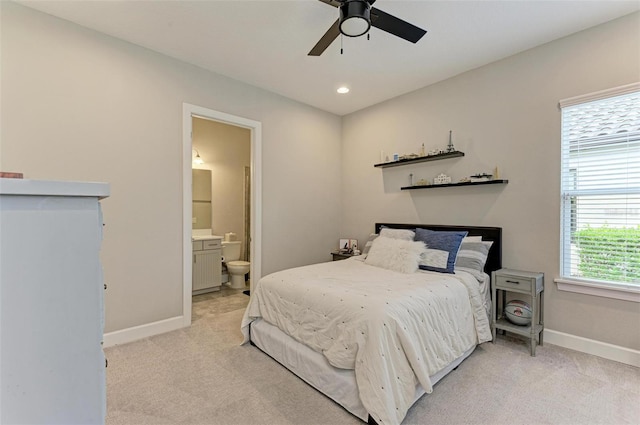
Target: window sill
{"type": "Point", "coordinates": [621, 292]}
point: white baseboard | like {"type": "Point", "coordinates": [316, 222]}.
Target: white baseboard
{"type": "Point", "coordinates": [143, 331]}
{"type": "Point", "coordinates": [590, 346]}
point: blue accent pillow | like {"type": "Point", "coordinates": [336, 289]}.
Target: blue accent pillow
{"type": "Point", "coordinates": [442, 242]}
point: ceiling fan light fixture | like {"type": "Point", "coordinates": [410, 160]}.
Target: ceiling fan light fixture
{"type": "Point", "coordinates": [355, 18]}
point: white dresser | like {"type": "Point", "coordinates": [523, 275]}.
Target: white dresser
{"type": "Point", "coordinates": [52, 367]}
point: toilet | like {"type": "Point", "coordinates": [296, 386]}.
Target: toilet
{"type": "Point", "coordinates": [237, 269]}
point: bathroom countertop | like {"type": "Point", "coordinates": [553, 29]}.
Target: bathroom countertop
{"type": "Point", "coordinates": [205, 237]}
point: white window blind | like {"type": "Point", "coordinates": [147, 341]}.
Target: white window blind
{"type": "Point", "coordinates": [600, 187]}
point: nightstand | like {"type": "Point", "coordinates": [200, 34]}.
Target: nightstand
{"type": "Point", "coordinates": [520, 282]}
{"type": "Point", "coordinates": [339, 255]}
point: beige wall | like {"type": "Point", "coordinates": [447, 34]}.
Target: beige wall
{"type": "Point", "coordinates": [504, 114]}
{"type": "Point", "coordinates": [79, 105]}
{"type": "Point", "coordinates": [226, 150]}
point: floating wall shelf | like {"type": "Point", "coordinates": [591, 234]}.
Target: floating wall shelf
{"type": "Point", "coordinates": [434, 186]}
{"type": "Point", "coordinates": [447, 155]}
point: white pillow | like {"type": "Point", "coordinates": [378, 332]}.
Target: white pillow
{"type": "Point", "coordinates": [367, 245]}
{"type": "Point", "coordinates": [395, 254]}
{"type": "Point", "coordinates": [404, 234]}
{"type": "Point", "coordinates": [435, 258]}
{"type": "Point", "coordinates": [472, 239]}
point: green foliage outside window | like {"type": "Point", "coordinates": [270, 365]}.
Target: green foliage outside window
{"type": "Point", "coordinates": [608, 253]}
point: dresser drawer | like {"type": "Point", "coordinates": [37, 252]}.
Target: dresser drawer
{"type": "Point", "coordinates": [197, 245]}
{"type": "Point", "coordinates": [518, 280]}
{"type": "Point", "coordinates": [517, 283]}
{"type": "Point", "coordinates": [212, 244]}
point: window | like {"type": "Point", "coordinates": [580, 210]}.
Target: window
{"type": "Point", "coordinates": [600, 187]}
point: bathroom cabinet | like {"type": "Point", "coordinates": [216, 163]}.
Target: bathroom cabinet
{"type": "Point", "coordinates": [207, 265]}
{"type": "Point", "coordinates": [52, 367]}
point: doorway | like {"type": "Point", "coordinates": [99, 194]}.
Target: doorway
{"type": "Point", "coordinates": [255, 198]}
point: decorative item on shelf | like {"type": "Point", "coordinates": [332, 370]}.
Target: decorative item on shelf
{"type": "Point", "coordinates": [480, 177]}
{"type": "Point", "coordinates": [422, 182]}
{"type": "Point", "coordinates": [518, 312]}
{"type": "Point", "coordinates": [422, 150]}
{"type": "Point", "coordinates": [464, 180]}
{"type": "Point", "coordinates": [410, 179]}
{"type": "Point", "coordinates": [442, 179]}
{"type": "Point", "coordinates": [10, 175]}
{"type": "Point", "coordinates": [413, 158]}
{"type": "Point", "coordinates": [450, 147]}
{"type": "Point", "coordinates": [496, 175]}
{"type": "Point", "coordinates": [396, 157]}
{"type": "Point", "coordinates": [409, 156]}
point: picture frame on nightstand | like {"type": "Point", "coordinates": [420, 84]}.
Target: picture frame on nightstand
{"type": "Point", "coordinates": [348, 245]}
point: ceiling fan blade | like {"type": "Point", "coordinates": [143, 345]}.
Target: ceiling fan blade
{"type": "Point", "coordinates": [338, 3]}
{"type": "Point", "coordinates": [334, 3]}
{"type": "Point", "coordinates": [396, 26]}
{"type": "Point", "coordinates": [326, 40]}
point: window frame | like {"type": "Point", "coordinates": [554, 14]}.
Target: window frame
{"type": "Point", "coordinates": [616, 290]}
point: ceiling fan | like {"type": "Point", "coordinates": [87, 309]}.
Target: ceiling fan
{"type": "Point", "coordinates": [357, 17]}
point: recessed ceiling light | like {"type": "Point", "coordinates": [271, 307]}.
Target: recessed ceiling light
{"type": "Point", "coordinates": [343, 90]}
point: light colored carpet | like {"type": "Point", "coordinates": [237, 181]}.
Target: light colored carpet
{"type": "Point", "coordinates": [201, 376]}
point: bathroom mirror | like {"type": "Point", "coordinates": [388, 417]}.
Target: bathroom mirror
{"type": "Point", "coordinates": [201, 198]}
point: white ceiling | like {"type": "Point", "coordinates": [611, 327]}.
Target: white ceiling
{"type": "Point", "coordinates": [265, 42]}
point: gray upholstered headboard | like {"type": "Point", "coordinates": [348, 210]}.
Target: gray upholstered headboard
{"type": "Point", "coordinates": [494, 234]}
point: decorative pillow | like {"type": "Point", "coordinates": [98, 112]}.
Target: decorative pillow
{"type": "Point", "coordinates": [435, 258]}
{"type": "Point", "coordinates": [472, 257]}
{"type": "Point", "coordinates": [446, 242]}
{"type": "Point", "coordinates": [404, 234]}
{"type": "Point", "coordinates": [395, 254]}
{"type": "Point", "coordinates": [472, 239]}
{"type": "Point", "coordinates": [367, 246]}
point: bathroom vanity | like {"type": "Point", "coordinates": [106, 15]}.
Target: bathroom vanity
{"type": "Point", "coordinates": [206, 264]}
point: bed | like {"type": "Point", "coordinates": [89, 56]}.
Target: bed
{"type": "Point", "coordinates": [375, 339]}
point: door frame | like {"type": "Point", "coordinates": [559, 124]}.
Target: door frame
{"type": "Point", "coordinates": [190, 111]}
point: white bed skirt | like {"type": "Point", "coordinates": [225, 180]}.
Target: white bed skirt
{"type": "Point", "coordinates": [313, 368]}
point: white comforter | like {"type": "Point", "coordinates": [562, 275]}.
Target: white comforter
{"type": "Point", "coordinates": [393, 329]}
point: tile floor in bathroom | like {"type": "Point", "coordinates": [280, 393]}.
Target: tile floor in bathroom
{"type": "Point", "coordinates": [223, 301]}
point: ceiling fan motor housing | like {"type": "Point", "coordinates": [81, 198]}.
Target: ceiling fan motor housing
{"type": "Point", "coordinates": [355, 18]}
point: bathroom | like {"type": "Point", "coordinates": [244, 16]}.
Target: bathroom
{"type": "Point", "coordinates": [221, 155]}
